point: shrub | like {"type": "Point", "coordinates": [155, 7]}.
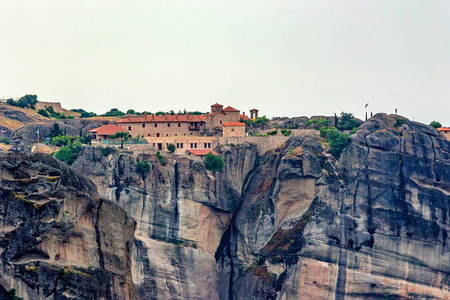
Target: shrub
{"type": "Point", "coordinates": [161, 158]}
{"type": "Point", "coordinates": [347, 121]}
{"type": "Point", "coordinates": [56, 131]}
{"type": "Point", "coordinates": [400, 122]}
{"type": "Point", "coordinates": [338, 142]}
{"type": "Point", "coordinates": [131, 111]}
{"type": "Point", "coordinates": [171, 147]}
{"type": "Point", "coordinates": [4, 141]}
{"type": "Point", "coordinates": [354, 130]}
{"type": "Point", "coordinates": [68, 154]}
{"type": "Point", "coordinates": [106, 151]}
{"type": "Point", "coordinates": [274, 132]}
{"type": "Point", "coordinates": [44, 113]}
{"type": "Point", "coordinates": [70, 117]}
{"type": "Point", "coordinates": [213, 162]}
{"type": "Point", "coordinates": [435, 124]}
{"type": "Point", "coordinates": [62, 140]}
{"type": "Point", "coordinates": [286, 132]}
{"type": "Point", "coordinates": [143, 168]}
{"type": "Point", "coordinates": [318, 122]}
{"type": "Point", "coordinates": [114, 112]}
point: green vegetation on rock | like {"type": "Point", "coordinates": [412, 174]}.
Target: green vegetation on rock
{"type": "Point", "coordinates": [213, 162]}
{"type": "Point", "coordinates": [435, 124]}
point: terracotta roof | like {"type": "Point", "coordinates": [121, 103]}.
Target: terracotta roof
{"type": "Point", "coordinates": [234, 124]}
{"type": "Point", "coordinates": [201, 152]}
{"type": "Point", "coordinates": [443, 129]}
{"type": "Point", "coordinates": [244, 117]}
{"type": "Point", "coordinates": [254, 109]}
{"type": "Point", "coordinates": [108, 129]}
{"type": "Point", "coordinates": [217, 104]}
{"type": "Point", "coordinates": [230, 109]}
{"type": "Point", "coordinates": [165, 118]}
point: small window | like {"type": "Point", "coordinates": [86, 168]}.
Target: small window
{"type": "Point", "coordinates": [149, 134]}
{"type": "Point", "coordinates": [206, 145]}
{"type": "Point", "coordinates": [209, 145]}
{"type": "Point", "coordinates": [232, 129]}
{"type": "Point", "coordinates": [143, 125]}
{"type": "Point", "coordinates": [157, 135]}
{"type": "Point", "coordinates": [179, 124]}
{"type": "Point", "coordinates": [153, 144]}
{"type": "Point", "coordinates": [178, 145]}
{"type": "Point", "coordinates": [195, 145]}
{"type": "Point", "coordinates": [168, 124]}
{"type": "Point", "coordinates": [220, 121]}
{"type": "Point", "coordinates": [191, 133]}
{"type": "Point", "coordinates": [184, 133]}
{"type": "Point", "coordinates": [129, 128]}
{"type": "Point", "coordinates": [176, 134]}
{"type": "Point", "coordinates": [167, 134]}
{"type": "Point", "coordinates": [156, 125]}
{"type": "Point", "coordinates": [181, 145]}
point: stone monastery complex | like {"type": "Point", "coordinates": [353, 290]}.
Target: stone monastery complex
{"type": "Point", "coordinates": [184, 131]}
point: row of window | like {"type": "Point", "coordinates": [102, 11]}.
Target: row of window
{"type": "Point", "coordinates": [181, 145]}
{"type": "Point", "coordinates": [168, 125]}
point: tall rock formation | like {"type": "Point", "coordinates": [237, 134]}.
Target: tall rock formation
{"type": "Point", "coordinates": [58, 239]}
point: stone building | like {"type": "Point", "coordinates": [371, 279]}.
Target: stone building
{"type": "Point", "coordinates": [445, 131]}
{"type": "Point", "coordinates": [218, 116]}
{"type": "Point", "coordinates": [233, 129]}
{"type": "Point", "coordinates": [102, 132]}
{"type": "Point", "coordinates": [149, 126]}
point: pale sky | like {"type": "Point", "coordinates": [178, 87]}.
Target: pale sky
{"type": "Point", "coordinates": [286, 58]}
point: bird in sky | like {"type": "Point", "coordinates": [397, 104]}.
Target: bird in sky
{"type": "Point", "coordinates": [366, 105]}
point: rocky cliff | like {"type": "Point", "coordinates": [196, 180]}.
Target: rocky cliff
{"type": "Point", "coordinates": [291, 223]}
{"type": "Point", "coordinates": [58, 239]}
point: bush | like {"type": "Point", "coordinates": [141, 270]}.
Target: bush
{"type": "Point", "coordinates": [68, 154]}
{"type": "Point", "coordinates": [62, 140]}
{"type": "Point", "coordinates": [4, 141]}
{"type": "Point", "coordinates": [354, 130]}
{"type": "Point", "coordinates": [274, 132]}
{"type": "Point", "coordinates": [56, 131]}
{"type": "Point", "coordinates": [131, 111]}
{"type": "Point", "coordinates": [161, 158]}
{"type": "Point", "coordinates": [27, 101]}
{"type": "Point", "coordinates": [44, 113]}
{"type": "Point", "coordinates": [70, 117]}
{"type": "Point", "coordinates": [347, 121]}
{"type": "Point", "coordinates": [338, 142]}
{"type": "Point", "coordinates": [143, 168]}
{"type": "Point", "coordinates": [319, 123]}
{"type": "Point", "coordinates": [213, 162]}
{"type": "Point", "coordinates": [400, 122]}
{"type": "Point", "coordinates": [106, 151]}
{"type": "Point", "coordinates": [114, 112]}
{"type": "Point", "coordinates": [171, 147]}
{"type": "Point", "coordinates": [435, 124]}
{"type": "Point", "coordinates": [286, 132]}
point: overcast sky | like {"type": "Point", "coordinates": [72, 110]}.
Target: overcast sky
{"type": "Point", "coordinates": [286, 58]}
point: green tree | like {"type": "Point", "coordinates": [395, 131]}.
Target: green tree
{"type": "Point", "coordinates": [62, 140]}
{"type": "Point", "coordinates": [114, 112]}
{"type": "Point", "coordinates": [213, 162]}
{"type": "Point", "coordinates": [27, 101]}
{"type": "Point", "coordinates": [68, 154]}
{"type": "Point", "coordinates": [435, 124]}
{"type": "Point", "coordinates": [55, 130]}
{"type": "Point", "coordinates": [160, 113]}
{"type": "Point", "coordinates": [171, 147]}
{"type": "Point", "coordinates": [131, 112]}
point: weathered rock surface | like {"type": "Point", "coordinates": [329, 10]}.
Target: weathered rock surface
{"type": "Point", "coordinates": [374, 226]}
{"type": "Point", "coordinates": [293, 223]}
{"type": "Point", "coordinates": [58, 239]}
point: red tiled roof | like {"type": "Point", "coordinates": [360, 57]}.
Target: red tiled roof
{"type": "Point", "coordinates": [217, 104]}
{"type": "Point", "coordinates": [108, 129]}
{"type": "Point", "coordinates": [165, 118]}
{"type": "Point", "coordinates": [443, 129]}
{"type": "Point", "coordinates": [254, 109]}
{"type": "Point", "coordinates": [201, 152]}
{"type": "Point", "coordinates": [244, 117]}
{"type": "Point", "coordinates": [230, 109]}
{"type": "Point", "coordinates": [234, 124]}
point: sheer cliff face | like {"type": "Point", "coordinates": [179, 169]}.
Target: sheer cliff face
{"type": "Point", "coordinates": [374, 226]}
{"type": "Point", "coordinates": [292, 223]}
{"type": "Point", "coordinates": [58, 239]}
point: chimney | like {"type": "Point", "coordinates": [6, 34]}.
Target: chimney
{"type": "Point", "coordinates": [145, 116]}
{"type": "Point", "coordinates": [128, 117]}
